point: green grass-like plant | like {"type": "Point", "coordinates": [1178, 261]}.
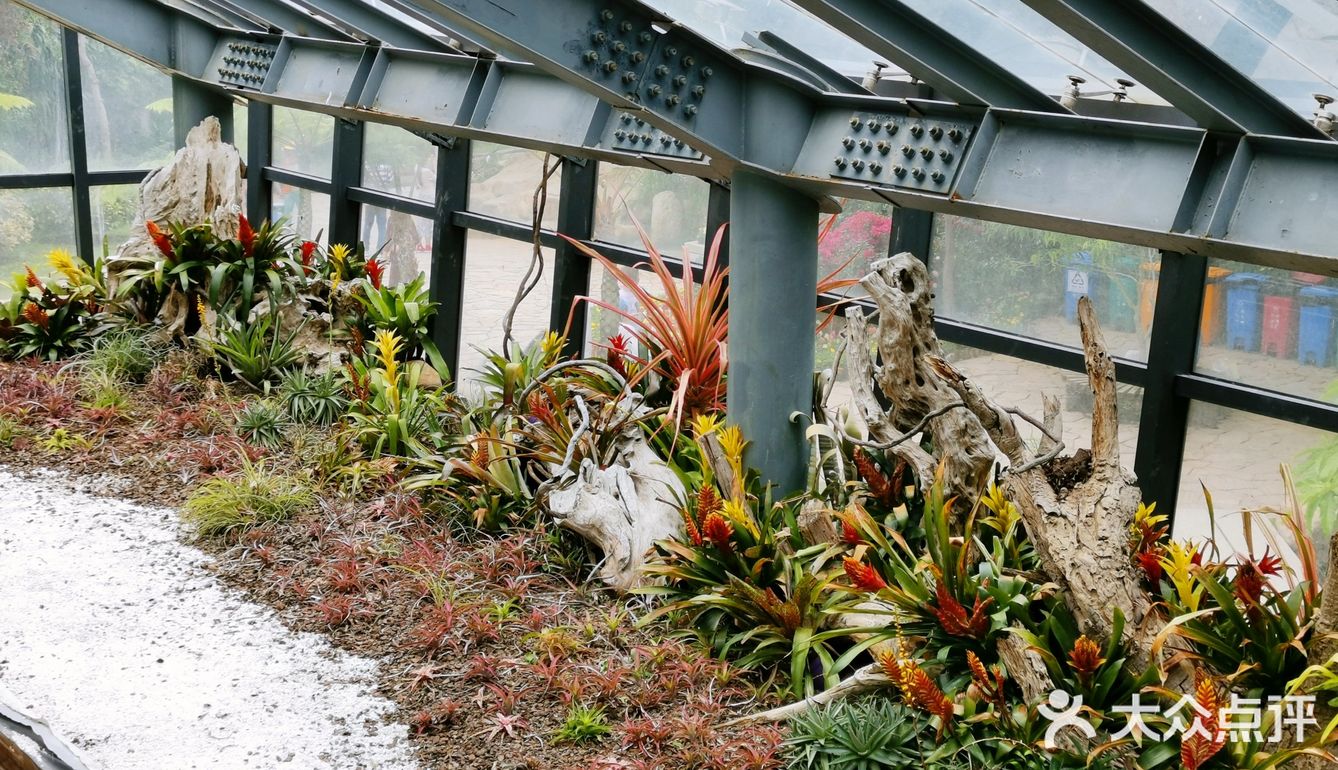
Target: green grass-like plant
{"type": "Point", "coordinates": [871, 734]}
{"type": "Point", "coordinates": [583, 724]}
{"type": "Point", "coordinates": [262, 423]}
{"type": "Point", "coordinates": [313, 399]}
{"type": "Point", "coordinates": [254, 351]}
{"type": "Point", "coordinates": [255, 495]}
{"type": "Point", "coordinates": [127, 354]}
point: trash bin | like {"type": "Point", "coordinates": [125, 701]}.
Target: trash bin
{"type": "Point", "coordinates": [1315, 325]}
{"type": "Point", "coordinates": [1277, 309]}
{"type": "Point", "coordinates": [1077, 282]}
{"type": "Point", "coordinates": [1242, 310]}
{"type": "Point", "coordinates": [1119, 299]}
{"type": "Point", "coordinates": [1211, 322]}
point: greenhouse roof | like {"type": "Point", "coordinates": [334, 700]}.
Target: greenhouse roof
{"type": "Point", "coordinates": [1188, 125]}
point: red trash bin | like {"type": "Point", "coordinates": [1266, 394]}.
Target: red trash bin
{"type": "Point", "coordinates": [1276, 322]}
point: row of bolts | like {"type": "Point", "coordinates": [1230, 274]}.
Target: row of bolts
{"type": "Point", "coordinates": [885, 147]}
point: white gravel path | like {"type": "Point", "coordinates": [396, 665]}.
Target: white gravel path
{"type": "Point", "coordinates": [112, 632]}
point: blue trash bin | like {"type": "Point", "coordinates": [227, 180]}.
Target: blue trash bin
{"type": "Point", "coordinates": [1078, 282]}
{"type": "Point", "coordinates": [1316, 320]}
{"type": "Point", "coordinates": [1243, 310]}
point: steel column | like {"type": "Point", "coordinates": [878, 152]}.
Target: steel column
{"type": "Point", "coordinates": [345, 172]}
{"type": "Point", "coordinates": [717, 216]}
{"type": "Point", "coordinates": [448, 249]}
{"type": "Point", "coordinates": [259, 124]}
{"type": "Point", "coordinates": [571, 268]}
{"type": "Point", "coordinates": [774, 272]}
{"type": "Point", "coordinates": [192, 102]}
{"type": "Point", "coordinates": [913, 231]}
{"type": "Point", "coordinates": [1165, 414]}
{"type": "Point", "coordinates": [74, 105]}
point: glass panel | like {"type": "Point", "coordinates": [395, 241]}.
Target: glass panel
{"type": "Point", "coordinates": [127, 110]}
{"type": "Point", "coordinates": [502, 181]}
{"type": "Point", "coordinates": [670, 207]}
{"type": "Point", "coordinates": [727, 21]}
{"type": "Point", "coordinates": [305, 213]}
{"type": "Point", "coordinates": [1236, 456]}
{"type": "Point", "coordinates": [35, 221]}
{"type": "Point", "coordinates": [113, 208]}
{"type": "Point", "coordinates": [302, 141]}
{"type": "Point", "coordinates": [603, 324]}
{"type": "Point", "coordinates": [402, 242]}
{"type": "Point", "coordinates": [396, 161]}
{"type": "Point", "coordinates": [1271, 328]}
{"type": "Point", "coordinates": [240, 127]}
{"type": "Point", "coordinates": [1028, 281]}
{"type": "Point", "coordinates": [1017, 383]}
{"type": "Point", "coordinates": [34, 134]}
{"type": "Point", "coordinates": [494, 267]}
{"type": "Point", "coordinates": [849, 244]}
{"type": "Point", "coordinates": [1286, 46]}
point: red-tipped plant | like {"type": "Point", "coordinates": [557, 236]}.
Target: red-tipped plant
{"type": "Point", "coordinates": [684, 330]}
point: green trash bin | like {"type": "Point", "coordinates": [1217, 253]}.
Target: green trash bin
{"type": "Point", "coordinates": [1118, 300]}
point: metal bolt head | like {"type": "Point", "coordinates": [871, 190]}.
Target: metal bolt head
{"type": "Point", "coordinates": [654, 89]}
{"type": "Point", "coordinates": [917, 130]}
{"type": "Point", "coordinates": [884, 148]}
{"type": "Point", "coordinates": [918, 173]}
{"type": "Point", "coordinates": [664, 140]}
{"type": "Point", "coordinates": [907, 150]}
{"type": "Point", "coordinates": [707, 72]}
{"type": "Point", "coordinates": [599, 36]}
{"type": "Point", "coordinates": [840, 162]}
{"type": "Point", "coordinates": [590, 57]}
{"type": "Point", "coordinates": [629, 77]}
{"type": "Point", "coordinates": [955, 134]}
{"type": "Point", "coordinates": [857, 164]}
{"type": "Point", "coordinates": [689, 62]}
{"type": "Point", "coordinates": [626, 26]}
{"type": "Point", "coordinates": [678, 143]}
{"type": "Point", "coordinates": [606, 15]}
{"type": "Point", "coordinates": [690, 110]}
{"type": "Point", "coordinates": [936, 133]}
{"type": "Point", "coordinates": [625, 117]}
{"type": "Point", "coordinates": [875, 168]}
{"type": "Point", "coordinates": [640, 121]}
{"type": "Point", "coordinates": [618, 47]}
{"type": "Point", "coordinates": [865, 144]}
{"type": "Point", "coordinates": [937, 176]}
{"type": "Point", "coordinates": [610, 66]}
{"type": "Point", "coordinates": [875, 126]}
{"type": "Point", "coordinates": [899, 170]}
{"type": "Point", "coordinates": [848, 142]}
{"type": "Point", "coordinates": [661, 71]}
{"type": "Point", "coordinates": [638, 57]}
{"type": "Point", "coordinates": [699, 91]}
{"type": "Point", "coordinates": [855, 122]}
{"type": "Point", "coordinates": [670, 52]}
{"type": "Point", "coordinates": [926, 153]}
{"type": "Point", "coordinates": [679, 81]}
{"type": "Point", "coordinates": [645, 37]}
{"type": "Point", "coordinates": [672, 100]}
{"type": "Point", "coordinates": [891, 127]}
{"type": "Point", "coordinates": [645, 138]}
{"type": "Point", "coordinates": [945, 156]}
{"type": "Point", "coordinates": [620, 134]}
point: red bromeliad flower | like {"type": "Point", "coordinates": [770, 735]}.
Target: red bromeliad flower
{"type": "Point", "coordinates": [708, 502]}
{"type": "Point", "coordinates": [1197, 747]}
{"type": "Point", "coordinates": [36, 315]}
{"type": "Point", "coordinates": [991, 687]}
{"type": "Point", "coordinates": [864, 576]}
{"type": "Point", "coordinates": [33, 281]}
{"type": "Point", "coordinates": [953, 618]}
{"type": "Point", "coordinates": [694, 533]}
{"type": "Point", "coordinates": [879, 485]}
{"type": "Point", "coordinates": [375, 272]}
{"type": "Point", "coordinates": [850, 535]}
{"type": "Point", "coordinates": [308, 250]}
{"type": "Point", "coordinates": [1252, 576]}
{"type": "Point", "coordinates": [539, 407]}
{"type": "Point", "coordinates": [619, 349]}
{"type": "Point", "coordinates": [246, 235]}
{"type": "Point", "coordinates": [718, 531]}
{"type": "Point", "coordinates": [1150, 561]}
{"type": "Point", "coordinates": [159, 238]}
{"type": "Point", "coordinates": [917, 688]}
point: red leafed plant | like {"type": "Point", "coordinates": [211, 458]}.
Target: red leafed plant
{"type": "Point", "coordinates": [1199, 746]}
{"type": "Point", "coordinates": [684, 330]}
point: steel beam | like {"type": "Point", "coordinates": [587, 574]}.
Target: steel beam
{"type": "Point", "coordinates": [447, 282]}
{"type": "Point", "coordinates": [1175, 65]}
{"type": "Point", "coordinates": [571, 268]}
{"type": "Point", "coordinates": [369, 23]}
{"type": "Point", "coordinates": [74, 109]}
{"type": "Point", "coordinates": [259, 128]}
{"type": "Point", "coordinates": [774, 233]}
{"type": "Point", "coordinates": [911, 40]}
{"type": "Point", "coordinates": [192, 102]}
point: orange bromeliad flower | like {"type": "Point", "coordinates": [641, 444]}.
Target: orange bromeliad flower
{"type": "Point", "coordinates": [33, 281]}
{"type": "Point", "coordinates": [1085, 658]}
{"type": "Point", "coordinates": [718, 531]}
{"type": "Point", "coordinates": [245, 235]}
{"type": "Point", "coordinates": [708, 502]}
{"type": "Point", "coordinates": [690, 527]}
{"type": "Point", "coordinates": [479, 456]}
{"type": "Point", "coordinates": [917, 688]}
{"type": "Point", "coordinates": [879, 486]}
{"type": "Point", "coordinates": [1197, 747]}
{"type": "Point", "coordinates": [36, 315]}
{"type": "Point", "coordinates": [991, 687]}
{"type": "Point", "coordinates": [375, 272]}
{"type": "Point", "coordinates": [159, 238]}
{"type": "Point", "coordinates": [953, 618]}
{"type": "Point", "coordinates": [864, 576]}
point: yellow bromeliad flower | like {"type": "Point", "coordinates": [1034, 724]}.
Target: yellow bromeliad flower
{"type": "Point", "coordinates": [551, 347]}
{"type": "Point", "coordinates": [1178, 563]}
{"type": "Point", "coordinates": [63, 262]}
{"type": "Point", "coordinates": [731, 440]}
{"type": "Point", "coordinates": [741, 517]}
{"type": "Point", "coordinates": [339, 254]}
{"type": "Point", "coordinates": [203, 311]}
{"type": "Point", "coordinates": [705, 424]}
{"type": "Point", "coordinates": [1144, 519]}
{"type": "Point", "coordinates": [388, 345]}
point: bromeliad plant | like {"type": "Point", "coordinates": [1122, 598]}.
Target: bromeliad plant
{"type": "Point", "coordinates": [56, 318]}
{"type": "Point", "coordinates": [682, 326]}
{"type": "Point", "coordinates": [392, 415]}
{"type": "Point", "coordinates": [404, 310]}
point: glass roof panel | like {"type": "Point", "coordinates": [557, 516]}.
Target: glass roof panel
{"type": "Point", "coordinates": [726, 22]}
{"type": "Point", "coordinates": [1290, 47]}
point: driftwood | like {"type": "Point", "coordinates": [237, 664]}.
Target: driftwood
{"type": "Point", "coordinates": [870, 677]}
{"type": "Point", "coordinates": [622, 508]}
